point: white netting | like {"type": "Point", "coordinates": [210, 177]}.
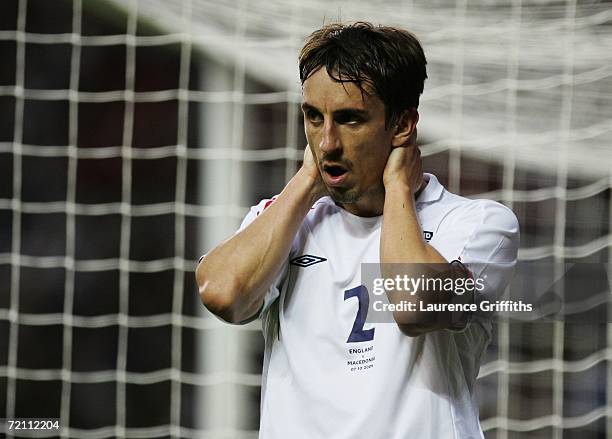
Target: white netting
{"type": "Point", "coordinates": [516, 108]}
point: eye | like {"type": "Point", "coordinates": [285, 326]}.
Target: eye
{"type": "Point", "coordinates": [348, 119]}
{"type": "Point", "coordinates": [313, 116]}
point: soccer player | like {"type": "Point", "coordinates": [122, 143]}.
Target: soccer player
{"type": "Point", "coordinates": [361, 196]}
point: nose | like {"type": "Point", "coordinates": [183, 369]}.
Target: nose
{"type": "Point", "coordinates": [330, 142]}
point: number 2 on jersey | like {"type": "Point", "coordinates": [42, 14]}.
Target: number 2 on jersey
{"type": "Point", "coordinates": [358, 333]}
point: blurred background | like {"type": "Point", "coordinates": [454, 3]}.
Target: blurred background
{"type": "Point", "coordinates": [135, 134]}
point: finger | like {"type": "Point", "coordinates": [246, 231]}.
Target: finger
{"type": "Point", "coordinates": [413, 138]}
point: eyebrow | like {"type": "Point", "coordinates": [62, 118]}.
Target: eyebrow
{"type": "Point", "coordinates": [341, 112]}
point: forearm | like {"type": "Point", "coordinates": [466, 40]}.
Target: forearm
{"type": "Point", "coordinates": [402, 243]}
{"type": "Point", "coordinates": [234, 277]}
{"type": "Point", "coordinates": [401, 235]}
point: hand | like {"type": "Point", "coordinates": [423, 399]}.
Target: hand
{"type": "Point", "coordinates": [404, 166]}
{"type": "Point", "coordinates": [311, 171]}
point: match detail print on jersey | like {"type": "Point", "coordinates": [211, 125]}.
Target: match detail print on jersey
{"type": "Point", "coordinates": [360, 357]}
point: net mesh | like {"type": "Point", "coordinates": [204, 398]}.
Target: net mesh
{"type": "Point", "coordinates": [138, 133]}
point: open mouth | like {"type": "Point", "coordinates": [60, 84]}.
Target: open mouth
{"type": "Point", "coordinates": [335, 170]}
{"type": "Point", "coordinates": [334, 174]}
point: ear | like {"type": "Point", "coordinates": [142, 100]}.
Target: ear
{"type": "Point", "coordinates": [405, 127]}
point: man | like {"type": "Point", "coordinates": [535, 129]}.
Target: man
{"type": "Point", "coordinates": [361, 196]}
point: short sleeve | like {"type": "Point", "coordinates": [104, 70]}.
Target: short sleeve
{"type": "Point", "coordinates": [484, 236]}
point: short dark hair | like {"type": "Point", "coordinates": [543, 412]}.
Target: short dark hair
{"type": "Point", "coordinates": [390, 60]}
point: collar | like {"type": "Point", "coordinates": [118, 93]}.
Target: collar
{"type": "Point", "coordinates": [432, 190]}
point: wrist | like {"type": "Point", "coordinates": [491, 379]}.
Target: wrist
{"type": "Point", "coordinates": [311, 187]}
{"type": "Point", "coordinates": [398, 186]}
{"type": "Point", "coordinates": [403, 185]}
{"type": "Point", "coordinates": [399, 194]}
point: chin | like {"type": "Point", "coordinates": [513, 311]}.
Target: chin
{"type": "Point", "coordinates": [344, 196]}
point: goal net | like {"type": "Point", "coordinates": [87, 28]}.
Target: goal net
{"type": "Point", "coordinates": [135, 135]}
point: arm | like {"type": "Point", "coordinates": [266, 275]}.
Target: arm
{"type": "Point", "coordinates": [402, 240]}
{"type": "Point", "coordinates": [233, 277]}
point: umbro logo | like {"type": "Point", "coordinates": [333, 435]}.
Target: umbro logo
{"type": "Point", "coordinates": [306, 260]}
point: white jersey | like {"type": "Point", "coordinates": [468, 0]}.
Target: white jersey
{"type": "Point", "coordinates": [384, 385]}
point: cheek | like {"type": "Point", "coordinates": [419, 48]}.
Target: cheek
{"type": "Point", "coordinates": [314, 147]}
{"type": "Point", "coordinates": [375, 160]}
{"type": "Point", "coordinates": [312, 136]}
{"type": "Point", "coordinates": [377, 168]}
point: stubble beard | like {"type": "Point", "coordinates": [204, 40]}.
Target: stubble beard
{"type": "Point", "coordinates": [354, 195]}
{"type": "Point", "coordinates": [348, 196]}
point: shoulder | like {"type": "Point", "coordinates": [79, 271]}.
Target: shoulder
{"type": "Point", "coordinates": [461, 211]}
{"type": "Point", "coordinates": [321, 207]}
{"type": "Point", "coordinates": [450, 208]}
{"type": "Point", "coordinates": [474, 229]}
{"type": "Point", "coordinates": [320, 211]}
{"type": "Point", "coordinates": [262, 205]}
{"type": "Point", "coordinates": [255, 211]}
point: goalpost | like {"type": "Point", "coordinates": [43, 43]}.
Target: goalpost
{"type": "Point", "coordinates": [517, 108]}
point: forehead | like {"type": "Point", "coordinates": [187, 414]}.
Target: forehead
{"type": "Point", "coordinates": [326, 94]}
